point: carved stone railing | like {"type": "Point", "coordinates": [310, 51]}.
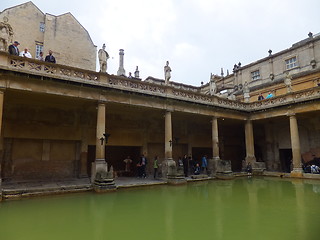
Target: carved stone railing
{"type": "Point", "coordinates": [129, 84]}
{"type": "Point", "coordinates": [290, 98]}
{"type": "Point", "coordinates": [32, 66]}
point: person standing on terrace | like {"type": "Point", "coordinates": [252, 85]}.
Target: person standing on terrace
{"type": "Point", "coordinates": [50, 58]}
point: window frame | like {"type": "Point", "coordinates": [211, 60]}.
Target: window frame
{"type": "Point", "coordinates": [42, 27]}
{"type": "Point", "coordinates": [291, 65]}
{"type": "Point", "coordinates": [39, 48]}
{"type": "Point", "coordinates": [253, 76]}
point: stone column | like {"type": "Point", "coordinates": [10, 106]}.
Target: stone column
{"type": "Point", "coordinates": [215, 139]}
{"type": "Point", "coordinates": [169, 166]}
{"type": "Point", "coordinates": [168, 136]}
{"type": "Point", "coordinates": [295, 145]}
{"type": "Point", "coordinates": [249, 142]}
{"type": "Point", "coordinates": [100, 163]}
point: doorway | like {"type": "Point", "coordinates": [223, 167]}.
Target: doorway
{"type": "Point", "coordinates": [285, 159]}
{"type": "Point", "coordinates": [115, 156]}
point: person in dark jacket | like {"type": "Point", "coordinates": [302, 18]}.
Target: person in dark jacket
{"type": "Point", "coordinates": [13, 48]}
{"type": "Point", "coordinates": [50, 58]}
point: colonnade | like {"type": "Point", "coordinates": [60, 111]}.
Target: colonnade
{"type": "Point", "coordinates": [249, 138]}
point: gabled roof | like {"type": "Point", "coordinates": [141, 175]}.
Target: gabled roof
{"type": "Point", "coordinates": [26, 3]}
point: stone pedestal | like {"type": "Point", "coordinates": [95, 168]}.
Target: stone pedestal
{"type": "Point", "coordinates": [296, 173]}
{"type": "Point", "coordinates": [222, 169]}
{"type": "Point", "coordinates": [258, 168]}
{"type": "Point", "coordinates": [101, 178]}
{"type": "Point", "coordinates": [169, 172]}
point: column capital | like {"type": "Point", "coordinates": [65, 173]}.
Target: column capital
{"type": "Point", "coordinates": [291, 114]}
{"type": "Point", "coordinates": [102, 102]}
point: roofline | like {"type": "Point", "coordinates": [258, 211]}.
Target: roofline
{"type": "Point", "coordinates": [293, 47]}
{"type": "Point", "coordinates": [69, 13]}
{"type": "Point", "coordinates": [21, 5]}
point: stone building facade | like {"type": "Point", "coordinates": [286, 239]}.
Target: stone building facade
{"type": "Point", "coordinates": [63, 34]}
{"type": "Point", "coordinates": [59, 121]}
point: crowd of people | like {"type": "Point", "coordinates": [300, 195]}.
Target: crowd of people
{"type": "Point", "coordinates": [187, 165]}
{"type": "Point", "coordinates": [261, 97]}
{"type": "Point", "coordinates": [14, 50]}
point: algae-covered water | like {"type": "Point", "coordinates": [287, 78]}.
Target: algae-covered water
{"type": "Point", "coordinates": [245, 208]}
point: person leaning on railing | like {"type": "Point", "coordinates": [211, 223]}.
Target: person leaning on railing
{"type": "Point", "coordinates": [13, 48]}
{"type": "Point", "coordinates": [50, 58]}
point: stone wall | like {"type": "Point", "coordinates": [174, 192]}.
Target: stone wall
{"type": "Point", "coordinates": [64, 35]}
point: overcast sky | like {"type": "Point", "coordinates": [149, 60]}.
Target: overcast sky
{"type": "Point", "coordinates": [198, 37]}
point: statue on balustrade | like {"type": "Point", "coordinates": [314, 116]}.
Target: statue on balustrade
{"type": "Point", "coordinates": [103, 57]}
{"type": "Point", "coordinates": [6, 34]}
{"type": "Point", "coordinates": [167, 72]}
{"type": "Point", "coordinates": [213, 85]}
{"type": "Point", "coordinates": [287, 82]}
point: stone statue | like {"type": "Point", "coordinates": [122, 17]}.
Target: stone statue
{"type": "Point", "coordinates": [103, 57]}
{"type": "Point", "coordinates": [287, 82]}
{"type": "Point", "coordinates": [246, 92]}
{"type": "Point", "coordinates": [246, 88]}
{"type": "Point", "coordinates": [167, 73]}
{"type": "Point", "coordinates": [213, 85]}
{"type": "Point", "coordinates": [6, 34]}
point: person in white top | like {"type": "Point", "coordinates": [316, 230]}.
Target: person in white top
{"type": "Point", "coordinates": [25, 53]}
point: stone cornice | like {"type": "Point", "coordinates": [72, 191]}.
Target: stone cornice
{"type": "Point", "coordinates": [103, 81]}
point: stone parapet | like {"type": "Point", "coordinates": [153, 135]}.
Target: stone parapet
{"type": "Point", "coordinates": [106, 81]}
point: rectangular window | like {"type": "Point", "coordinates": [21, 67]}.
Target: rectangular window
{"type": "Point", "coordinates": [39, 48]}
{"type": "Point", "coordinates": [291, 63]}
{"type": "Point", "coordinates": [42, 26]}
{"type": "Point", "coordinates": [255, 75]}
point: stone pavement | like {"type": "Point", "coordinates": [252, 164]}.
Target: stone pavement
{"type": "Point", "coordinates": [16, 190]}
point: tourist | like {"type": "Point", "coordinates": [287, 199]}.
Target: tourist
{"type": "Point", "coordinates": [314, 169]}
{"type": "Point", "coordinates": [127, 162]}
{"type": "Point", "coordinates": [155, 167]}
{"type": "Point", "coordinates": [13, 48]}
{"type": "Point", "coordinates": [25, 53]}
{"type": "Point", "coordinates": [204, 164]}
{"type": "Point", "coordinates": [185, 165]}
{"type": "Point", "coordinates": [139, 172]}
{"type": "Point", "coordinates": [50, 58]}
{"type": "Point", "coordinates": [260, 97]}
{"type": "Point", "coordinates": [192, 164]}
{"type": "Point", "coordinates": [270, 95]}
{"type": "Point", "coordinates": [249, 168]}
{"type": "Point", "coordinates": [40, 57]}
{"type": "Point", "coordinates": [143, 165]}
{"type": "Point", "coordinates": [197, 169]}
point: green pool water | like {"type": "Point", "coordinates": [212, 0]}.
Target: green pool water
{"type": "Point", "coordinates": [245, 208]}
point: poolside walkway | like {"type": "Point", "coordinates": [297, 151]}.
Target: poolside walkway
{"type": "Point", "coordinates": [15, 190]}
{"type": "Point", "coordinates": [21, 189]}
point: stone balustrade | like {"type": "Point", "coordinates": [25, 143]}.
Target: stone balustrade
{"type": "Point", "coordinates": [32, 66]}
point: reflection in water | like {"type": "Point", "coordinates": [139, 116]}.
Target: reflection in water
{"type": "Point", "coordinates": [255, 208]}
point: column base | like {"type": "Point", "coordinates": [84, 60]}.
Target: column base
{"type": "Point", "coordinates": [176, 180]}
{"type": "Point", "coordinates": [258, 168]}
{"type": "Point", "coordinates": [250, 159]}
{"type": "Point", "coordinates": [296, 173]}
{"type": "Point", "coordinates": [169, 168]}
{"type": "Point", "coordinates": [104, 185]}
